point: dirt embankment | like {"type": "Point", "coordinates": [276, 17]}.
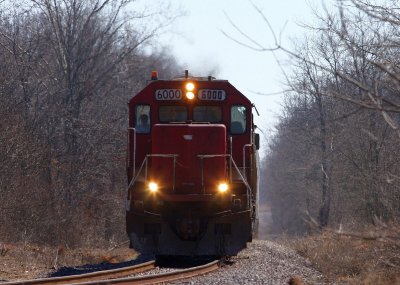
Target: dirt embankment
{"type": "Point", "coordinates": [359, 257]}
{"type": "Point", "coordinates": [22, 262]}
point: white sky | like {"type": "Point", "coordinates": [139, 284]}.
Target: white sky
{"type": "Point", "coordinates": [198, 43]}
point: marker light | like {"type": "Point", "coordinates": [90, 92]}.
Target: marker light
{"type": "Point", "coordinates": [223, 187]}
{"type": "Point", "coordinates": [190, 95]}
{"type": "Point", "coordinates": [154, 75]}
{"type": "Point", "coordinates": [189, 86]}
{"type": "Point", "coordinates": [153, 187]}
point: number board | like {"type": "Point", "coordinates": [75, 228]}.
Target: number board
{"type": "Point", "coordinates": [211, 94]}
{"type": "Point", "coordinates": [168, 94]}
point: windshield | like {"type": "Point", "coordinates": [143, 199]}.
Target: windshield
{"type": "Point", "coordinates": [173, 114]}
{"type": "Point", "coordinates": [210, 114]}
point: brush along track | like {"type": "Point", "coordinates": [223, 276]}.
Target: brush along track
{"type": "Point", "coordinates": [89, 277]}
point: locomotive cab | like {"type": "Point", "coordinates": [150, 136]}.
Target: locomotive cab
{"type": "Point", "coordinates": [192, 168]}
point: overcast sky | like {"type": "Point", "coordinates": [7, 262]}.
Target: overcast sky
{"type": "Point", "coordinates": [198, 43]}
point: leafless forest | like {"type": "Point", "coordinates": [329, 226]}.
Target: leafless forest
{"type": "Point", "coordinates": [68, 69]}
{"type": "Point", "coordinates": [334, 159]}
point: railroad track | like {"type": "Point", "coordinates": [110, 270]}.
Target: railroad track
{"type": "Point", "coordinates": [114, 276]}
{"type": "Point", "coordinates": [87, 277]}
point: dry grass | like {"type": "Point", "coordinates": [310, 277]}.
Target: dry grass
{"type": "Point", "coordinates": [26, 261]}
{"type": "Point", "coordinates": [368, 257]}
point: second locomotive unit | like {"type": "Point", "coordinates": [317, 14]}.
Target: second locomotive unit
{"type": "Point", "coordinates": [192, 167]}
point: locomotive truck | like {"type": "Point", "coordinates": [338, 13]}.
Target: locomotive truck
{"type": "Point", "coordinates": [192, 167]}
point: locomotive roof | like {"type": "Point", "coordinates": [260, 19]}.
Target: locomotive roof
{"type": "Point", "coordinates": [208, 82]}
{"type": "Point", "coordinates": [200, 78]}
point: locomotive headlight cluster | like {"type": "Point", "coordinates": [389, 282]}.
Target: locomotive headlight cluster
{"type": "Point", "coordinates": [190, 95]}
{"type": "Point", "coordinates": [189, 86]}
{"type": "Point", "coordinates": [153, 187]}
{"type": "Point", "coordinates": [190, 90]}
{"type": "Point", "coordinates": [223, 187]}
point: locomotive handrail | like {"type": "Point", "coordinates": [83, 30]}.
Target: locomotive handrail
{"type": "Point", "coordinates": [137, 176]}
{"type": "Point", "coordinates": [134, 151]}
{"type": "Point", "coordinates": [244, 158]}
{"type": "Point", "coordinates": [248, 188]}
{"type": "Point", "coordinates": [202, 156]}
{"type": "Point", "coordinates": [174, 166]}
{"type": "Point", "coordinates": [144, 163]}
{"type": "Point", "coordinates": [162, 155]}
{"type": "Point", "coordinates": [128, 158]}
{"type": "Point", "coordinates": [230, 162]}
{"type": "Point", "coordinates": [212, 155]}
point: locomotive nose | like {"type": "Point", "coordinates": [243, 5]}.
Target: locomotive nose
{"type": "Point", "coordinates": [200, 163]}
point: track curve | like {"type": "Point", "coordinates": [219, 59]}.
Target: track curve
{"type": "Point", "coordinates": [89, 277]}
{"type": "Point", "coordinates": [165, 277]}
{"type": "Point", "coordinates": [118, 276]}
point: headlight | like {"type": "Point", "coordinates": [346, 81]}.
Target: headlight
{"type": "Point", "coordinates": [189, 86]}
{"type": "Point", "coordinates": [190, 95]}
{"type": "Point", "coordinates": [223, 187]}
{"type": "Point", "coordinates": [153, 187]}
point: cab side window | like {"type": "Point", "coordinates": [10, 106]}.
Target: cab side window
{"type": "Point", "coordinates": [238, 119]}
{"type": "Point", "coordinates": [142, 119]}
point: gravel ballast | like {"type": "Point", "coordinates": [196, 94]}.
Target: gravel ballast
{"type": "Point", "coordinates": [263, 262]}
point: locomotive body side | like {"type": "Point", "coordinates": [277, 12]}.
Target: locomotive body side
{"type": "Point", "coordinates": [192, 172]}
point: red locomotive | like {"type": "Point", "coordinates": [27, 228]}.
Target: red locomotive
{"type": "Point", "coordinates": [192, 168]}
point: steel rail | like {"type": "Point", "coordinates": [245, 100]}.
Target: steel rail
{"type": "Point", "coordinates": [98, 275]}
{"type": "Point", "coordinates": [161, 278]}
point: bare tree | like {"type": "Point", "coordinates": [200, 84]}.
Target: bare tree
{"type": "Point", "coordinates": [346, 75]}
{"type": "Point", "coordinates": [69, 69]}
